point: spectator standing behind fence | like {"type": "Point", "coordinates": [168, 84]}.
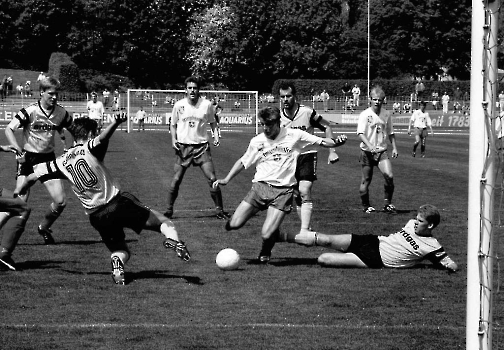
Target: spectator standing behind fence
{"type": "Point", "coordinates": [325, 100]}
{"type": "Point", "coordinates": [106, 97]}
{"type": "Point", "coordinates": [27, 89]}
{"type": "Point", "coordinates": [419, 90]}
{"type": "Point", "coordinates": [347, 91]}
{"type": "Point", "coordinates": [356, 95]}
{"type": "Point", "coordinates": [445, 99]}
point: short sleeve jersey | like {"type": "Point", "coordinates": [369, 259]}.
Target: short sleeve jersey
{"type": "Point", "coordinates": [375, 127]}
{"type": "Point", "coordinates": [406, 249]}
{"type": "Point", "coordinates": [191, 121]}
{"type": "Point", "coordinates": [305, 118]}
{"type": "Point", "coordinates": [95, 109]}
{"type": "Point", "coordinates": [83, 166]}
{"type": "Point", "coordinates": [141, 114]}
{"type": "Point", "coordinates": [39, 126]}
{"type": "Point", "coordinates": [276, 159]}
{"type": "Point", "coordinates": [421, 120]}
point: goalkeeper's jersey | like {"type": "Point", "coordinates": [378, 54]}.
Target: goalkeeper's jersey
{"type": "Point", "coordinates": [191, 121]}
{"type": "Point", "coordinates": [406, 249]}
{"type": "Point", "coordinates": [83, 165]}
{"type": "Point", "coordinates": [39, 126]}
{"type": "Point", "coordinates": [375, 127]}
{"type": "Point", "coordinates": [276, 159]}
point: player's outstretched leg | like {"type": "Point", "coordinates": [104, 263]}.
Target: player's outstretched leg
{"type": "Point", "coordinates": [118, 259]}
{"type": "Point", "coordinates": [159, 223]}
{"type": "Point", "coordinates": [13, 230]}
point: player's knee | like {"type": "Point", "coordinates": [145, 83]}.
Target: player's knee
{"type": "Point", "coordinates": [324, 259]}
{"type": "Point", "coordinates": [211, 182]}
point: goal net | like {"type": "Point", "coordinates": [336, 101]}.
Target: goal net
{"type": "Point", "coordinates": [235, 108]}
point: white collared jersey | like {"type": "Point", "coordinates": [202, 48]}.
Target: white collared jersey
{"type": "Point", "coordinates": [305, 118]}
{"type": "Point", "coordinates": [276, 159]}
{"type": "Point", "coordinates": [95, 109]}
{"type": "Point", "coordinates": [375, 127]}
{"type": "Point", "coordinates": [83, 166]}
{"type": "Point", "coordinates": [38, 126]}
{"type": "Point", "coordinates": [406, 249]}
{"type": "Point", "coordinates": [191, 121]}
{"type": "Point", "coordinates": [421, 119]}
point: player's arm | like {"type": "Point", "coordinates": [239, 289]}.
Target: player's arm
{"type": "Point", "coordinates": [235, 170]}
{"type": "Point", "coordinates": [441, 260]}
{"type": "Point", "coordinates": [9, 133]}
{"type": "Point", "coordinates": [333, 156]}
{"type": "Point", "coordinates": [392, 139]}
{"type": "Point", "coordinates": [409, 125]}
{"type": "Point", "coordinates": [330, 142]}
{"type": "Point", "coordinates": [8, 148]}
{"type": "Point", "coordinates": [109, 130]}
{"type": "Point", "coordinates": [213, 127]}
{"type": "Point", "coordinates": [372, 148]}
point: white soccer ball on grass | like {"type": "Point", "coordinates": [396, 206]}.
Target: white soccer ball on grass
{"type": "Point", "coordinates": [228, 259]}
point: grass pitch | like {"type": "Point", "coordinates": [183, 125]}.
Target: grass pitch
{"type": "Point", "coordinates": [63, 296]}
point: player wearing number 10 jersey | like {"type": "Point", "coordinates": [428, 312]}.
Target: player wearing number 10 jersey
{"type": "Point", "coordinates": [109, 209]}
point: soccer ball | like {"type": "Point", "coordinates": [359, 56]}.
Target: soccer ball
{"type": "Point", "coordinates": [228, 259]}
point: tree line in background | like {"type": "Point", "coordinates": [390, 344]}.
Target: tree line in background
{"type": "Point", "coordinates": [240, 44]}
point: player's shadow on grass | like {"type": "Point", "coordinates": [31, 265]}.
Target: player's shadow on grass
{"type": "Point", "coordinates": [157, 274]}
{"type": "Point", "coordinates": [38, 265]}
{"type": "Point", "coordinates": [286, 262]}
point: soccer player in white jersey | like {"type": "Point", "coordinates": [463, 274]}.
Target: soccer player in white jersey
{"type": "Point", "coordinates": [189, 133]}
{"type": "Point", "coordinates": [297, 116]}
{"type": "Point", "coordinates": [110, 210]}
{"type": "Point", "coordinates": [420, 120]}
{"type": "Point", "coordinates": [408, 247]}
{"type": "Point", "coordinates": [39, 122]}
{"type": "Point", "coordinates": [373, 128]}
{"type": "Point", "coordinates": [274, 152]}
{"type": "Point", "coordinates": [96, 110]}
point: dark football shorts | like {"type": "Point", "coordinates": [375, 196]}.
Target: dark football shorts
{"type": "Point", "coordinates": [306, 167]}
{"type": "Point", "coordinates": [370, 159]}
{"type": "Point", "coordinates": [262, 196]}
{"type": "Point", "coordinates": [124, 210]}
{"type": "Point", "coordinates": [31, 159]}
{"type": "Point", "coordinates": [367, 248]}
{"type": "Point", "coordinates": [196, 155]}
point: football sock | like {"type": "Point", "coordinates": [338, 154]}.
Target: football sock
{"type": "Point", "coordinates": [415, 146]}
{"type": "Point", "coordinates": [169, 231]}
{"type": "Point", "coordinates": [122, 255]}
{"type": "Point", "coordinates": [13, 230]}
{"type": "Point", "coordinates": [365, 199]}
{"type": "Point", "coordinates": [216, 195]}
{"type": "Point", "coordinates": [388, 190]}
{"type": "Point", "coordinates": [172, 196]}
{"type": "Point", "coordinates": [306, 214]}
{"type": "Point", "coordinates": [267, 245]}
{"type": "Point", "coordinates": [52, 214]}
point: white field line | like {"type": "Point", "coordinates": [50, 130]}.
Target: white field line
{"type": "Point", "coordinates": [359, 326]}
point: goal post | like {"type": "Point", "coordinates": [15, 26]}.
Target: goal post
{"type": "Point", "coordinates": [237, 108]}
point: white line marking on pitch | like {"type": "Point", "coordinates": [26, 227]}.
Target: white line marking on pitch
{"type": "Point", "coordinates": [239, 325]}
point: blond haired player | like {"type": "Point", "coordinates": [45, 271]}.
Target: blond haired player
{"type": "Point", "coordinates": [420, 120]}
{"type": "Point", "coordinates": [373, 128]}
{"type": "Point", "coordinates": [188, 126]}
{"type": "Point", "coordinates": [109, 209]}
{"type": "Point", "coordinates": [405, 248]}
{"type": "Point", "coordinates": [274, 152]}
{"type": "Point", "coordinates": [96, 110]}
{"type": "Point", "coordinates": [39, 123]}
{"type": "Point", "coordinates": [297, 116]}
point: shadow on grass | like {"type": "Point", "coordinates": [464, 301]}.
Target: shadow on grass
{"type": "Point", "coordinates": [38, 265]}
{"type": "Point", "coordinates": [285, 262]}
